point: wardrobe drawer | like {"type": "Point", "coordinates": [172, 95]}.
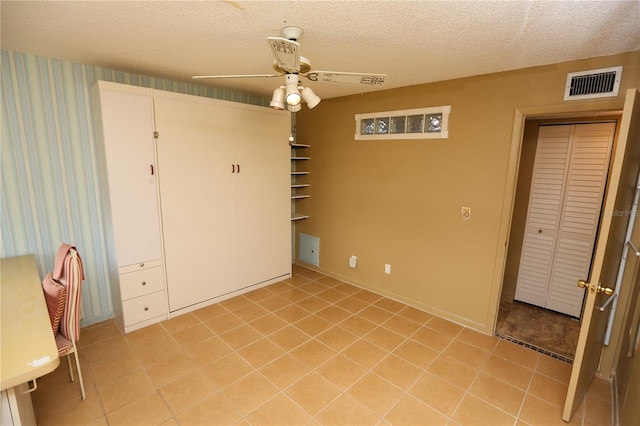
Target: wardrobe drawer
{"type": "Point", "coordinates": [139, 283]}
{"type": "Point", "coordinates": [144, 308]}
{"type": "Point", "coordinates": [140, 266]}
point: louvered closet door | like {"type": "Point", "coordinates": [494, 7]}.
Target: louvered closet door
{"type": "Point", "coordinates": [564, 208]}
{"type": "Point", "coordinates": [581, 212]}
{"type": "Point", "coordinates": [543, 218]}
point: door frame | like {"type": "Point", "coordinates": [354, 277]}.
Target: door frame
{"type": "Point", "coordinates": [522, 193]}
{"type": "Point", "coordinates": [569, 111]}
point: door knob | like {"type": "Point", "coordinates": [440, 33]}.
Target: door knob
{"type": "Point", "coordinates": [606, 290]}
{"type": "Point", "coordinates": [600, 289]}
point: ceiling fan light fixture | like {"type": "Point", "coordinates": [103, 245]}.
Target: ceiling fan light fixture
{"type": "Point", "coordinates": [292, 96]}
{"type": "Point", "coordinates": [277, 101]}
{"type": "Point", "coordinates": [288, 63]}
{"type": "Point", "coordinates": [310, 97]}
{"type": "Point", "coordinates": [305, 65]}
{"type": "Point", "coordinates": [294, 108]}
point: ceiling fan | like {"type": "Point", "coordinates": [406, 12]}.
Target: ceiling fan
{"type": "Point", "coordinates": [291, 65]}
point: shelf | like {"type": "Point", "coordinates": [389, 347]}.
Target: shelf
{"type": "Point", "coordinates": [295, 185]}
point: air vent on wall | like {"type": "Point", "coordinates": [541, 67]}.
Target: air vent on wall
{"type": "Point", "coordinates": [590, 84]}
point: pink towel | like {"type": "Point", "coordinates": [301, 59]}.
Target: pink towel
{"type": "Point", "coordinates": [63, 250]}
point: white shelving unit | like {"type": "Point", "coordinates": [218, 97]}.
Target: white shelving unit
{"type": "Point", "coordinates": [299, 182]}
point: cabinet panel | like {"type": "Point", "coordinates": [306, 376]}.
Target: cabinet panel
{"type": "Point", "coordinates": [140, 266]}
{"type": "Point", "coordinates": [223, 173]}
{"type": "Point", "coordinates": [196, 157]}
{"type": "Point", "coordinates": [222, 170]}
{"type": "Point", "coordinates": [125, 119]}
{"type": "Point", "coordinates": [144, 308]}
{"type": "Point", "coordinates": [263, 195]}
{"type": "Point", "coordinates": [124, 128]}
{"type": "Point", "coordinates": [139, 283]}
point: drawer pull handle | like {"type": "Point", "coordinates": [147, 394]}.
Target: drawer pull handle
{"type": "Point", "coordinates": [144, 283]}
{"type": "Point", "coordinates": [146, 308]}
{"type": "Point", "coordinates": [142, 265]}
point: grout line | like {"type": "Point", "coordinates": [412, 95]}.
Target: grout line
{"type": "Point", "coordinates": [230, 308]}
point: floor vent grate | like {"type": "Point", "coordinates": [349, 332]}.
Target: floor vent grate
{"type": "Point", "coordinates": [535, 348]}
{"type": "Point", "coordinates": [590, 84]}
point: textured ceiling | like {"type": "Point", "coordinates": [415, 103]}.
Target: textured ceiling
{"type": "Point", "coordinates": [412, 41]}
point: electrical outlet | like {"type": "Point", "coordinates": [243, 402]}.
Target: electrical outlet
{"type": "Point", "coordinates": [353, 260]}
{"type": "Point", "coordinates": [465, 213]}
{"type": "Point", "coordinates": [387, 268]}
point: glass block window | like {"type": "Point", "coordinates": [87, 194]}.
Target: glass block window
{"type": "Point", "coordinates": [366, 127]}
{"type": "Point", "coordinates": [419, 123]}
{"type": "Point", "coordinates": [416, 123]}
{"type": "Point", "coordinates": [397, 124]}
{"type": "Point", "coordinates": [382, 126]}
{"type": "Point", "coordinates": [434, 123]}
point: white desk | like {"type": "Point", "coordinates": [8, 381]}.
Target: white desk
{"type": "Point", "coordinates": [28, 347]}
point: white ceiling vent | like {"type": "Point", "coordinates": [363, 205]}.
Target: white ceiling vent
{"type": "Point", "coordinates": [590, 84]}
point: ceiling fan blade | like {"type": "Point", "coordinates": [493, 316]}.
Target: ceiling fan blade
{"type": "Point", "coordinates": [203, 77]}
{"type": "Point", "coordinates": [367, 79]}
{"type": "Point", "coordinates": [285, 53]}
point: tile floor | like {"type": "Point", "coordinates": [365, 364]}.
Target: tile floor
{"type": "Point", "coordinates": [310, 350]}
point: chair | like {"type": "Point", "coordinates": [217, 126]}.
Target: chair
{"type": "Point", "coordinates": [69, 273]}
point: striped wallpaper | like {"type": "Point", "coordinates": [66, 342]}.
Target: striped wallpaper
{"type": "Point", "coordinates": [48, 177]}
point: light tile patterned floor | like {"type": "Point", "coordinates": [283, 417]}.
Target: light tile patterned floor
{"type": "Point", "coordinates": [310, 350]}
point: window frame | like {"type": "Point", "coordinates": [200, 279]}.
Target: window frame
{"type": "Point", "coordinates": [445, 110]}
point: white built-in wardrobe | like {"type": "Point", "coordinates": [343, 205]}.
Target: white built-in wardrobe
{"type": "Point", "coordinates": [567, 188]}
{"type": "Point", "coordinates": [197, 192]}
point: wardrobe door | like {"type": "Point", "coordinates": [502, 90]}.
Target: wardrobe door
{"type": "Point", "coordinates": [124, 124]}
{"type": "Point", "coordinates": [263, 194]}
{"type": "Point", "coordinates": [197, 193]}
{"type": "Point", "coordinates": [544, 211]}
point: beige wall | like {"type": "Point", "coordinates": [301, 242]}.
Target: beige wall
{"type": "Point", "coordinates": [520, 207]}
{"type": "Point", "coordinates": [398, 202]}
